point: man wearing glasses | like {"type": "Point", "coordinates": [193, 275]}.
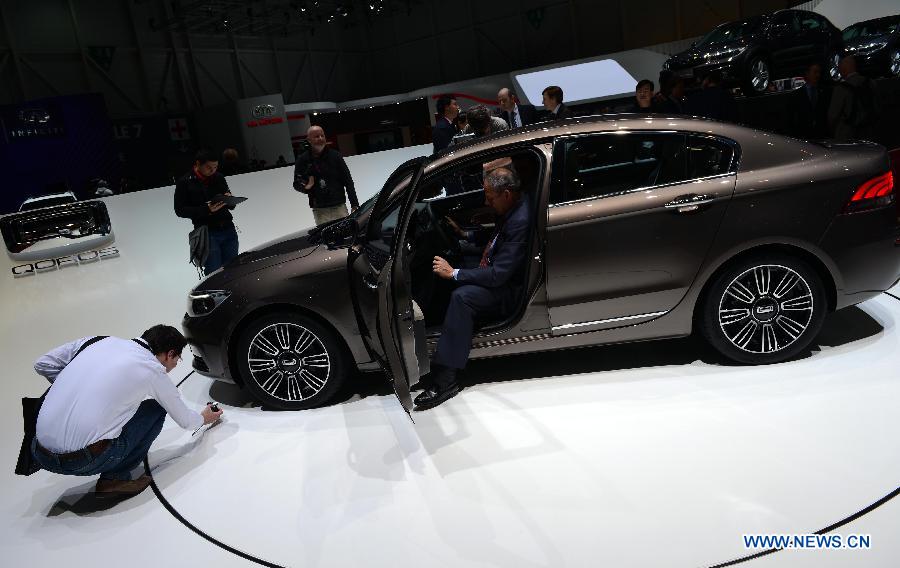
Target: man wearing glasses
{"type": "Point", "coordinates": [107, 403]}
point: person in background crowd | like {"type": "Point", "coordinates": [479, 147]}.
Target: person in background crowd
{"type": "Point", "coordinates": [462, 120]}
{"type": "Point", "coordinates": [322, 174]}
{"type": "Point", "coordinates": [195, 199]}
{"type": "Point", "coordinates": [643, 97]}
{"type": "Point", "coordinates": [712, 100]}
{"type": "Point", "coordinates": [107, 403]}
{"type": "Point", "coordinates": [853, 110]}
{"type": "Point", "coordinates": [444, 129]}
{"type": "Point", "coordinates": [553, 102]}
{"type": "Point", "coordinates": [231, 164]}
{"type": "Point", "coordinates": [808, 106]}
{"type": "Point", "coordinates": [280, 162]}
{"type": "Point", "coordinates": [514, 114]}
{"type": "Point", "coordinates": [672, 95]}
{"type": "Point", "coordinates": [482, 123]}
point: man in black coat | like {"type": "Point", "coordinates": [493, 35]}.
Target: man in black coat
{"type": "Point", "coordinates": [553, 102]}
{"type": "Point", "coordinates": [488, 291]}
{"type": "Point", "coordinates": [515, 114]}
{"type": "Point", "coordinates": [712, 101]}
{"type": "Point", "coordinates": [445, 126]}
{"type": "Point", "coordinates": [808, 107]}
{"type": "Point", "coordinates": [322, 174]}
{"type": "Point", "coordinates": [195, 199]}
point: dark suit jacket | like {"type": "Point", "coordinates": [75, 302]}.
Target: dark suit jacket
{"type": "Point", "coordinates": [712, 102]}
{"type": "Point", "coordinates": [527, 115]}
{"type": "Point", "coordinates": [807, 121]}
{"type": "Point", "coordinates": [442, 133]}
{"type": "Point", "coordinates": [563, 112]}
{"type": "Point", "coordinates": [506, 261]}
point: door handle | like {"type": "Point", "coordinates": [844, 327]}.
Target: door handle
{"type": "Point", "coordinates": [688, 203]}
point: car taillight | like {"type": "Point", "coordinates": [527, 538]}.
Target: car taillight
{"type": "Point", "coordinates": [876, 192]}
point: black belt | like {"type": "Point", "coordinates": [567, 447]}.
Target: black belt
{"type": "Point", "coordinates": [94, 449]}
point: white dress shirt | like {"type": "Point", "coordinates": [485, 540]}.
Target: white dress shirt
{"type": "Point", "coordinates": [95, 394]}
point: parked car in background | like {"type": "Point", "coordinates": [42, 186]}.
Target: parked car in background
{"type": "Point", "coordinates": [753, 52]}
{"type": "Point", "coordinates": [876, 46]}
{"type": "Point", "coordinates": [644, 228]}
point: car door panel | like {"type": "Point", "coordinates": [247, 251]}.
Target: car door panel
{"type": "Point", "coordinates": [622, 258]}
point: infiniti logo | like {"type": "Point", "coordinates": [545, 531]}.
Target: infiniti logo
{"type": "Point", "coordinates": [290, 362]}
{"type": "Point", "coordinates": [765, 309]}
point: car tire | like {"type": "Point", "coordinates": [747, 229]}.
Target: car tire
{"type": "Point", "coordinates": [834, 59]}
{"type": "Point", "coordinates": [894, 62]}
{"type": "Point", "coordinates": [757, 76]}
{"type": "Point", "coordinates": [764, 309]}
{"type": "Point", "coordinates": [290, 361]}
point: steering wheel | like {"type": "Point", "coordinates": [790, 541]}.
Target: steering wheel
{"type": "Point", "coordinates": [449, 240]}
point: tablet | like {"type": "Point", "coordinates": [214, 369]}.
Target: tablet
{"type": "Point", "coordinates": [228, 199]}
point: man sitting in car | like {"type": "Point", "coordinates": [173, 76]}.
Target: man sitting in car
{"type": "Point", "coordinates": [487, 291]}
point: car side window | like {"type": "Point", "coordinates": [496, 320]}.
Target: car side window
{"type": "Point", "coordinates": [809, 22]}
{"type": "Point", "coordinates": [707, 157]}
{"type": "Point", "coordinates": [611, 164]}
{"type": "Point", "coordinates": [788, 20]}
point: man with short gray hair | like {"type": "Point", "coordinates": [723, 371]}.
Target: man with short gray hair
{"type": "Point", "coordinates": [488, 291]}
{"type": "Point", "coordinates": [322, 174]}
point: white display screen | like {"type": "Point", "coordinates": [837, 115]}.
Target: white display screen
{"type": "Point", "coordinates": [580, 82]}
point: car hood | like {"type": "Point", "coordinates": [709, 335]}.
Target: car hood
{"type": "Point", "coordinates": [289, 247]}
{"type": "Point", "coordinates": [698, 54]}
{"type": "Point", "coordinates": [866, 42]}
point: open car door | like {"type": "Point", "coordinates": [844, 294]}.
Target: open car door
{"type": "Point", "coordinates": [380, 284]}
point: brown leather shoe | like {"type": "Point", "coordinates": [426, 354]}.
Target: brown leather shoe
{"type": "Point", "coordinates": [120, 488]}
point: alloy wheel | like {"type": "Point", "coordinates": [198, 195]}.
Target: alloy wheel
{"type": "Point", "coordinates": [833, 67]}
{"type": "Point", "coordinates": [895, 62]}
{"type": "Point", "coordinates": [765, 309]}
{"type": "Point", "coordinates": [288, 361]}
{"type": "Point", "coordinates": [759, 75]}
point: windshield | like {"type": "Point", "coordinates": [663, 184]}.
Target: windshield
{"type": "Point", "coordinates": [731, 31]}
{"type": "Point", "coordinates": [874, 28]}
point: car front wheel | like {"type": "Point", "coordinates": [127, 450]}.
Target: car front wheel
{"type": "Point", "coordinates": [290, 361]}
{"type": "Point", "coordinates": [758, 76]}
{"type": "Point", "coordinates": [764, 310]}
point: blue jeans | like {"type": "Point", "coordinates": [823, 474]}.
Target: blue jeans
{"type": "Point", "coordinates": [122, 455]}
{"type": "Point", "coordinates": [223, 246]}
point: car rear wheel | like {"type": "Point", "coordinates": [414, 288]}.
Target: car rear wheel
{"type": "Point", "coordinates": [757, 77]}
{"type": "Point", "coordinates": [834, 60]}
{"type": "Point", "coordinates": [290, 361]}
{"type": "Point", "coordinates": [894, 62]}
{"type": "Point", "coordinates": [764, 309]}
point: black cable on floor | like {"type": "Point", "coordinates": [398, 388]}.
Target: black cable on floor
{"type": "Point", "coordinates": [172, 511]}
{"type": "Point", "coordinates": [826, 530]}
{"type": "Point", "coordinates": [197, 531]}
{"type": "Point", "coordinates": [892, 296]}
{"type": "Point", "coordinates": [186, 377]}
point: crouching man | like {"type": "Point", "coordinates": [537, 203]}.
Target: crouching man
{"type": "Point", "coordinates": [106, 405]}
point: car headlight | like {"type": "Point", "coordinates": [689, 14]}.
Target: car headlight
{"type": "Point", "coordinates": [202, 302]}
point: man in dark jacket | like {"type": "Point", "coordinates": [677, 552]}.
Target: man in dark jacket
{"type": "Point", "coordinates": [808, 106]}
{"type": "Point", "coordinates": [515, 114]}
{"type": "Point", "coordinates": [322, 174]}
{"type": "Point", "coordinates": [712, 100]}
{"type": "Point", "coordinates": [196, 199]}
{"type": "Point", "coordinates": [445, 126]}
{"type": "Point", "coordinates": [553, 102]}
{"type": "Point", "coordinates": [489, 290]}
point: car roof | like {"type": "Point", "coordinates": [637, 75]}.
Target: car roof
{"type": "Point", "coordinates": [584, 125]}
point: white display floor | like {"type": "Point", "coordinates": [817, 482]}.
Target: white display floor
{"type": "Point", "coordinates": [653, 454]}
